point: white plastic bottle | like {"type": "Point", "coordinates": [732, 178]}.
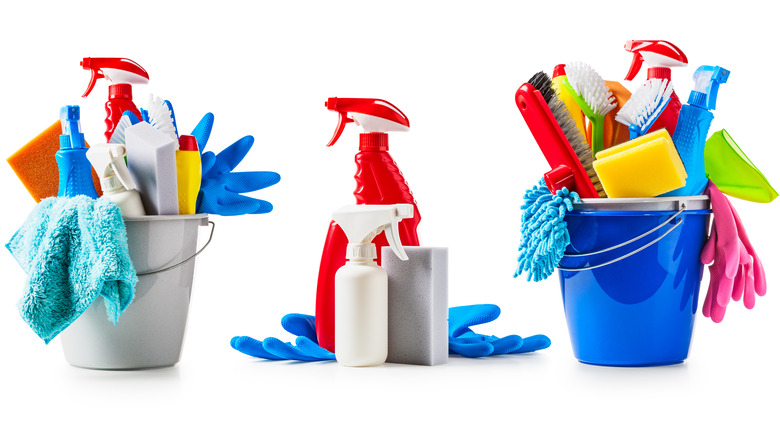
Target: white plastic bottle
{"type": "Point", "coordinates": [361, 284]}
{"type": "Point", "coordinates": [108, 160]}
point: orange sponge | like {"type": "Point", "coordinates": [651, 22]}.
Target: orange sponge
{"type": "Point", "coordinates": [36, 166]}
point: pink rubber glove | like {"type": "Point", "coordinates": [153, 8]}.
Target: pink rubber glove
{"type": "Point", "coordinates": [736, 272]}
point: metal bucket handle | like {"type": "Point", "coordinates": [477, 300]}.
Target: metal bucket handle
{"type": "Point", "coordinates": [211, 234]}
{"type": "Point", "coordinates": [680, 210]}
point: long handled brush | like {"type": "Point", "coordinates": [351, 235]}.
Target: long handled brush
{"type": "Point", "coordinates": [556, 150]}
{"type": "Point", "coordinates": [593, 97]}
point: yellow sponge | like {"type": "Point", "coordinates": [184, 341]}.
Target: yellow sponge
{"type": "Point", "coordinates": [36, 166]}
{"type": "Point", "coordinates": [644, 167]}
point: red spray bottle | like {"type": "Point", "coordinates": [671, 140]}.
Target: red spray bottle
{"type": "Point", "coordinates": [660, 56]}
{"type": "Point", "coordinates": [378, 182]}
{"type": "Point", "coordinates": [121, 72]}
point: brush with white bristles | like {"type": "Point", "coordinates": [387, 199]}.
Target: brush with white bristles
{"type": "Point", "coordinates": [645, 105]}
{"type": "Point", "coordinates": [592, 96]}
{"type": "Point", "coordinates": [161, 116]}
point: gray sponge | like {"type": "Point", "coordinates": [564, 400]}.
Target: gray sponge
{"type": "Point", "coordinates": [417, 306]}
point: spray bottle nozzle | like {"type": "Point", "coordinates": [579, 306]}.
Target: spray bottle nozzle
{"type": "Point", "coordinates": [708, 80]}
{"type": "Point", "coordinates": [657, 53]}
{"type": "Point", "coordinates": [373, 115]}
{"type": "Point", "coordinates": [361, 223]}
{"type": "Point", "coordinates": [116, 70]}
{"type": "Point", "coordinates": [70, 119]}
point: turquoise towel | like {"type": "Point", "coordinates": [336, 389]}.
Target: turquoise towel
{"type": "Point", "coordinates": [73, 250]}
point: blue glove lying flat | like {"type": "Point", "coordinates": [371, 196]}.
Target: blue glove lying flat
{"type": "Point", "coordinates": [220, 187]}
{"type": "Point", "coordinates": [465, 342]}
{"type": "Point", "coordinates": [305, 348]}
{"type": "Point", "coordinates": [462, 340]}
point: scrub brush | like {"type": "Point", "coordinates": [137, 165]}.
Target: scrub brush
{"type": "Point", "coordinates": [592, 95]}
{"type": "Point", "coordinates": [645, 105]}
{"type": "Point", "coordinates": [127, 120]}
{"type": "Point", "coordinates": [542, 82]}
{"type": "Point", "coordinates": [160, 114]}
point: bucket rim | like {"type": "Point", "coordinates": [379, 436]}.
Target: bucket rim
{"type": "Point", "coordinates": [167, 217]}
{"type": "Point", "coordinates": [698, 202]}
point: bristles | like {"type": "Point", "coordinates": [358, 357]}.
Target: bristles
{"type": "Point", "coordinates": [577, 142]}
{"type": "Point", "coordinates": [542, 82]}
{"type": "Point", "coordinates": [160, 116]}
{"type": "Point", "coordinates": [591, 87]}
{"type": "Point", "coordinates": [119, 132]}
{"type": "Point", "coordinates": [646, 104]}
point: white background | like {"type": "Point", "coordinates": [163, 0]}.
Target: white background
{"type": "Point", "coordinates": [453, 68]}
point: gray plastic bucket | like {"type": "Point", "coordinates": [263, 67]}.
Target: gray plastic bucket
{"type": "Point", "coordinates": [150, 333]}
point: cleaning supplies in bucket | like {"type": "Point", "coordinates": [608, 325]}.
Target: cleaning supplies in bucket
{"type": "Point", "coordinates": [151, 332]}
{"type": "Point", "coordinates": [630, 278]}
{"type": "Point", "coordinates": [73, 250]}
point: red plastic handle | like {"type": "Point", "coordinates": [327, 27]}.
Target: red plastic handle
{"type": "Point", "coordinates": [550, 137]}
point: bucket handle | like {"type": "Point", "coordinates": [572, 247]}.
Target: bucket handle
{"type": "Point", "coordinates": [642, 248]}
{"type": "Point", "coordinates": [211, 234]}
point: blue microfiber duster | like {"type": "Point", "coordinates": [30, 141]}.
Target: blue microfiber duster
{"type": "Point", "coordinates": [544, 232]}
{"type": "Point", "coordinates": [73, 250]}
{"type": "Point", "coordinates": [221, 188]}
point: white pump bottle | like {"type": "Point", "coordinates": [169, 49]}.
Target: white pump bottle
{"type": "Point", "coordinates": [361, 284]}
{"type": "Point", "coordinates": [117, 184]}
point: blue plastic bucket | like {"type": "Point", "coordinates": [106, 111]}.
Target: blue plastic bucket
{"type": "Point", "coordinates": [630, 279]}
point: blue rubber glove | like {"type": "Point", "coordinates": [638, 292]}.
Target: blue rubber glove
{"type": "Point", "coordinates": [305, 348]}
{"type": "Point", "coordinates": [221, 188]}
{"type": "Point", "coordinates": [465, 342]}
{"type": "Point", "coordinates": [462, 340]}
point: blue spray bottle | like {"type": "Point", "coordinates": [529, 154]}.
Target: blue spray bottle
{"type": "Point", "coordinates": [693, 124]}
{"type": "Point", "coordinates": [75, 170]}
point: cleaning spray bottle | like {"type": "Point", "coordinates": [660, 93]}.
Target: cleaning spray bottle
{"type": "Point", "coordinates": [378, 182]}
{"type": "Point", "coordinates": [693, 125]}
{"type": "Point", "coordinates": [660, 56]}
{"type": "Point", "coordinates": [74, 169]}
{"type": "Point", "coordinates": [361, 284]}
{"type": "Point", "coordinates": [115, 180]}
{"type": "Point", "coordinates": [121, 72]}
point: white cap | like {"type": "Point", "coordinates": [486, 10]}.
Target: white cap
{"type": "Point", "coordinates": [361, 223]}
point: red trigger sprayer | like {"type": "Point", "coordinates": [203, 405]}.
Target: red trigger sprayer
{"type": "Point", "coordinates": [378, 182]}
{"type": "Point", "coordinates": [121, 72]}
{"type": "Point", "coordinates": [660, 56]}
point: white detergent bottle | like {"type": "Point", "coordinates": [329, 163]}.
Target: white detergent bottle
{"type": "Point", "coordinates": [117, 184]}
{"type": "Point", "coordinates": [361, 284]}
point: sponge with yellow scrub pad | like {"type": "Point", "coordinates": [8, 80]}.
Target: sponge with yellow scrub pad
{"type": "Point", "coordinates": [644, 167]}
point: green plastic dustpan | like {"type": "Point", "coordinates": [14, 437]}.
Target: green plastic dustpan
{"type": "Point", "coordinates": [733, 172]}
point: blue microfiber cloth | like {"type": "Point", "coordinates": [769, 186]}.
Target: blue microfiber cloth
{"type": "Point", "coordinates": [73, 250]}
{"type": "Point", "coordinates": [544, 232]}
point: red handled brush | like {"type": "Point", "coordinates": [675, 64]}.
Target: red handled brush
{"type": "Point", "coordinates": [566, 150]}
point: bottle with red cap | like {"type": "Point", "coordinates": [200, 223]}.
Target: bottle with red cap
{"type": "Point", "coordinates": [120, 72]}
{"type": "Point", "coordinates": [188, 173]}
{"type": "Point", "coordinates": [660, 57]}
{"type": "Point", "coordinates": [378, 182]}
